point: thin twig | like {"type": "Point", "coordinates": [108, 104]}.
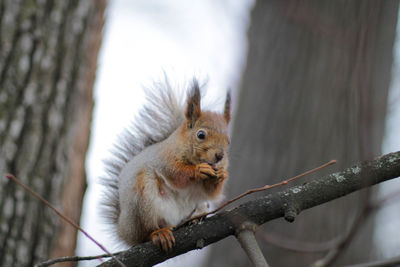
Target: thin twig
{"type": "Point", "coordinates": [254, 190]}
{"type": "Point", "coordinates": [391, 197]}
{"type": "Point", "coordinates": [65, 218]}
{"type": "Point", "coordinates": [299, 246]}
{"type": "Point", "coordinates": [392, 262]}
{"type": "Point", "coordinates": [74, 258]}
{"type": "Point", "coordinates": [345, 240]}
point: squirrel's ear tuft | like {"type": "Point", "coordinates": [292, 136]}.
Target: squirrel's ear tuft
{"type": "Point", "coordinates": [227, 108]}
{"type": "Point", "coordinates": [193, 109]}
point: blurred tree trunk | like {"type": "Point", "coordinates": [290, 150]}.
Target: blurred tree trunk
{"type": "Point", "coordinates": [314, 89]}
{"type": "Point", "coordinates": [48, 54]}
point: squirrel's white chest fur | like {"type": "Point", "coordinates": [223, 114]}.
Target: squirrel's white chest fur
{"type": "Point", "coordinates": [176, 205]}
{"type": "Point", "coordinates": [162, 204]}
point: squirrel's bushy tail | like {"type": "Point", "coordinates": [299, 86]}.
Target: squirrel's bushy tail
{"type": "Point", "coordinates": [162, 114]}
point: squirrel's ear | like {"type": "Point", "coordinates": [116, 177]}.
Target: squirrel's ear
{"type": "Point", "coordinates": [227, 108]}
{"type": "Point", "coordinates": [193, 109]}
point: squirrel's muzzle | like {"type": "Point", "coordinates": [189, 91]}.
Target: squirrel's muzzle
{"type": "Point", "coordinates": [219, 156]}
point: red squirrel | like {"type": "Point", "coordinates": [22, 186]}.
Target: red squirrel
{"type": "Point", "coordinates": [167, 167]}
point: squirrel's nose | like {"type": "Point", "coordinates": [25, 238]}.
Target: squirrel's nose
{"type": "Point", "coordinates": [219, 156]}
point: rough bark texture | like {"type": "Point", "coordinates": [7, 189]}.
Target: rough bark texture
{"type": "Point", "coordinates": [314, 89]}
{"type": "Point", "coordinates": [263, 209]}
{"type": "Point", "coordinates": [46, 77]}
{"type": "Point", "coordinates": [75, 184]}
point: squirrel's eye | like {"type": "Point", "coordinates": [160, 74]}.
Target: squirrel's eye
{"type": "Point", "coordinates": [201, 134]}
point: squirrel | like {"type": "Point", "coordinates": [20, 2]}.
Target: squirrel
{"type": "Point", "coordinates": [167, 167]}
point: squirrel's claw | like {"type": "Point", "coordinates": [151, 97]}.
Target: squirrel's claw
{"type": "Point", "coordinates": [198, 218]}
{"type": "Point", "coordinates": [163, 238]}
{"type": "Point", "coordinates": [222, 174]}
{"type": "Point", "coordinates": [204, 171]}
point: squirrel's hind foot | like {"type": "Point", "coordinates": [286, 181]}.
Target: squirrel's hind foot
{"type": "Point", "coordinates": [163, 238]}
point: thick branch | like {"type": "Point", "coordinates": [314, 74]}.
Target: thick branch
{"type": "Point", "coordinates": [287, 203]}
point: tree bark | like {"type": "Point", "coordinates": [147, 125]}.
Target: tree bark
{"type": "Point", "coordinates": [314, 88]}
{"type": "Point", "coordinates": [48, 55]}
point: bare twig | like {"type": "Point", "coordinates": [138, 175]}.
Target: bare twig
{"type": "Point", "coordinates": [392, 262]}
{"type": "Point", "coordinates": [254, 190]}
{"type": "Point", "coordinates": [74, 258]}
{"type": "Point", "coordinates": [299, 246]}
{"type": "Point", "coordinates": [345, 239]}
{"type": "Point", "coordinates": [386, 200]}
{"type": "Point", "coordinates": [15, 180]}
{"type": "Point", "coordinates": [246, 238]}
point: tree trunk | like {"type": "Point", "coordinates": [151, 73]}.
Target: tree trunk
{"type": "Point", "coordinates": [48, 53]}
{"type": "Point", "coordinates": [314, 89]}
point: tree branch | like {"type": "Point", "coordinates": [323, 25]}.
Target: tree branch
{"type": "Point", "coordinates": [291, 201]}
{"type": "Point", "coordinates": [247, 239]}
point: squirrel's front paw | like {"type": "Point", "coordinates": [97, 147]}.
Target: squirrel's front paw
{"type": "Point", "coordinates": [204, 171]}
{"type": "Point", "coordinates": [222, 174]}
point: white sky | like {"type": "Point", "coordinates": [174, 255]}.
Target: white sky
{"type": "Point", "coordinates": [205, 38]}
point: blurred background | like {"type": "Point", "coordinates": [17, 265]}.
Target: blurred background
{"type": "Point", "coordinates": [312, 81]}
